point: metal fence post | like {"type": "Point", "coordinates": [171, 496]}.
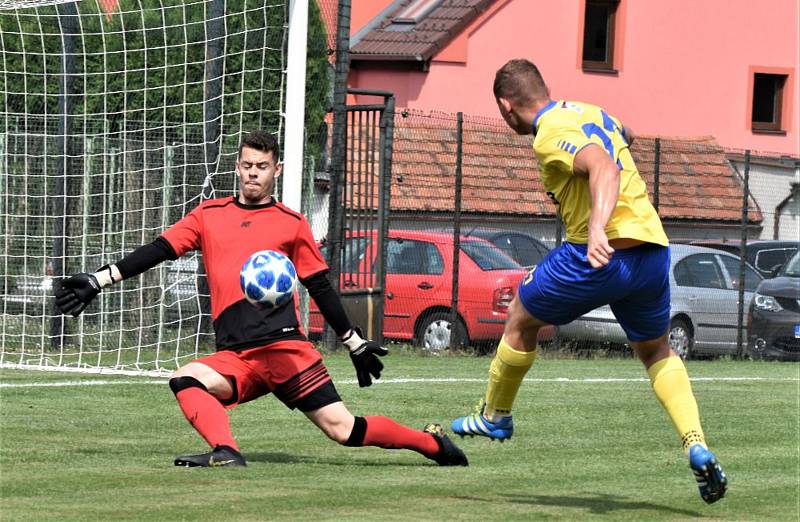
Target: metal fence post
{"type": "Point", "coordinates": [742, 252]}
{"type": "Point", "coordinates": [386, 148]}
{"type": "Point", "coordinates": [335, 217]}
{"type": "Point", "coordinates": [68, 14]}
{"type": "Point", "coordinates": [454, 341]}
{"type": "Point", "coordinates": [657, 174]}
{"type": "Point", "coordinates": [559, 239]}
{"type": "Point", "coordinates": [214, 73]}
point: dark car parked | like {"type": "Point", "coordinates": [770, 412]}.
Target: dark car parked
{"type": "Point", "coordinates": [524, 248]}
{"type": "Point", "coordinates": [774, 319]}
{"type": "Point", "coordinates": [765, 255]}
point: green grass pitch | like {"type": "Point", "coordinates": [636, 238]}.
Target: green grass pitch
{"type": "Point", "coordinates": [591, 443]}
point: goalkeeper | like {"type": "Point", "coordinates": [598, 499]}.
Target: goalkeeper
{"type": "Point", "coordinates": [260, 351]}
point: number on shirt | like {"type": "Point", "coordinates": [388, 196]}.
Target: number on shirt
{"type": "Point", "coordinates": [592, 129]}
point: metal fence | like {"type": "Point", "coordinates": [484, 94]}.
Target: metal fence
{"type": "Point", "coordinates": [429, 221]}
{"type": "Point", "coordinates": [438, 184]}
{"type": "Point", "coordinates": [469, 185]}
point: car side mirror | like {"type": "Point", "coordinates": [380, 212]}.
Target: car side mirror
{"type": "Point", "coordinates": [773, 272]}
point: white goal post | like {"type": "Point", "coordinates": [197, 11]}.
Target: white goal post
{"type": "Point", "coordinates": [113, 125]}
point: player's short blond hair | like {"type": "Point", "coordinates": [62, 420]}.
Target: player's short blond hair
{"type": "Point", "coordinates": [519, 81]}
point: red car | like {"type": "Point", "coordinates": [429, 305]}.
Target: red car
{"type": "Point", "coordinates": [419, 275]}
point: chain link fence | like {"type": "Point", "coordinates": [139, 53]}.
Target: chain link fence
{"type": "Point", "coordinates": [465, 218]}
{"type": "Point", "coordinates": [731, 215]}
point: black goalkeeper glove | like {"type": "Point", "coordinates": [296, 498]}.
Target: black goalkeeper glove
{"type": "Point", "coordinates": [75, 293]}
{"type": "Point", "coordinates": [364, 354]}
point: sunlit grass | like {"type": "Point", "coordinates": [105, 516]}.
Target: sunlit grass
{"type": "Point", "coordinates": [583, 449]}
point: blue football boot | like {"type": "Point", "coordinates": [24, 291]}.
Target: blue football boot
{"type": "Point", "coordinates": [477, 424]}
{"type": "Point", "coordinates": [709, 475]}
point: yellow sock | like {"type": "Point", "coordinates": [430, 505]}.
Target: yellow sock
{"type": "Point", "coordinates": [506, 372]}
{"type": "Point", "coordinates": [672, 387]}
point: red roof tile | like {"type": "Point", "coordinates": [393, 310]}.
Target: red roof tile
{"type": "Point", "coordinates": [500, 172]}
{"type": "Point", "coordinates": [420, 41]}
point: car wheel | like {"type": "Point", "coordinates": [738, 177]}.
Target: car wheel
{"type": "Point", "coordinates": [680, 338]}
{"type": "Point", "coordinates": [434, 332]}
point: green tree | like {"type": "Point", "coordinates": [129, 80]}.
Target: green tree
{"type": "Point", "coordinates": [144, 69]}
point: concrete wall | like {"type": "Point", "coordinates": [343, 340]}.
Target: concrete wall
{"type": "Point", "coordinates": [770, 184]}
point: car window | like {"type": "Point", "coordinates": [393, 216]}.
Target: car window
{"type": "Point", "coordinates": [487, 256]}
{"type": "Point", "coordinates": [354, 250]}
{"type": "Point", "coordinates": [767, 260]}
{"type": "Point", "coordinates": [406, 256]}
{"type": "Point", "coordinates": [699, 270]}
{"type": "Point", "coordinates": [523, 249]}
{"type": "Point", "coordinates": [751, 277]}
{"type": "Point", "coordinates": [503, 242]}
{"type": "Point", "coordinates": [792, 268]}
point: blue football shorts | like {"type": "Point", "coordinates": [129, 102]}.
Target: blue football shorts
{"type": "Point", "coordinates": [635, 283]}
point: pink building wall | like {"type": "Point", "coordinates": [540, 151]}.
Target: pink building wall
{"type": "Point", "coordinates": [685, 67]}
{"type": "Point", "coordinates": [363, 11]}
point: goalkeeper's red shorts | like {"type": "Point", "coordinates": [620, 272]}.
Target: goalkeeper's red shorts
{"type": "Point", "coordinates": [292, 370]}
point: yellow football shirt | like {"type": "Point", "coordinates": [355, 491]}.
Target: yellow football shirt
{"type": "Point", "coordinates": [562, 129]}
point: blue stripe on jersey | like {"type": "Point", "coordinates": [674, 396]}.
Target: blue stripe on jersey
{"type": "Point", "coordinates": [608, 123]}
{"type": "Point", "coordinates": [567, 146]}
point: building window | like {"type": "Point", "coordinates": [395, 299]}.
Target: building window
{"type": "Point", "coordinates": [767, 101]}
{"type": "Point", "coordinates": [598, 35]}
{"type": "Point", "coordinates": [416, 11]}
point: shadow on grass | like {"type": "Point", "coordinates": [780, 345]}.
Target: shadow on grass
{"type": "Point", "coordinates": [286, 458]}
{"type": "Point", "coordinates": [597, 505]}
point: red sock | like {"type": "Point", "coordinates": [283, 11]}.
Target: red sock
{"type": "Point", "coordinates": [207, 415]}
{"type": "Point", "coordinates": [386, 433]}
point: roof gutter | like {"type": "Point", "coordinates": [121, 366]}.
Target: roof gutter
{"type": "Point", "coordinates": [415, 61]}
{"type": "Point", "coordinates": [388, 57]}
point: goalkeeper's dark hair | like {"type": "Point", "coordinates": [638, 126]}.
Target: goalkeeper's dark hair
{"type": "Point", "coordinates": [520, 81]}
{"type": "Point", "coordinates": [263, 141]}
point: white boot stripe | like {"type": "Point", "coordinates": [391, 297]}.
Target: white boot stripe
{"type": "Point", "coordinates": [482, 425]}
{"type": "Point", "coordinates": [471, 425]}
{"type": "Point", "coordinates": [476, 425]}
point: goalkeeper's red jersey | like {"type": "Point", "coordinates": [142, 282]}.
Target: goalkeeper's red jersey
{"type": "Point", "coordinates": [227, 232]}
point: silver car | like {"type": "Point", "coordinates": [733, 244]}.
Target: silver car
{"type": "Point", "coordinates": [704, 287]}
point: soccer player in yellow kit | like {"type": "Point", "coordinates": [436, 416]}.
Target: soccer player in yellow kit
{"type": "Point", "coordinates": [616, 253]}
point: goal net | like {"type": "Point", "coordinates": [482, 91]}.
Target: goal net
{"type": "Point", "coordinates": [117, 118]}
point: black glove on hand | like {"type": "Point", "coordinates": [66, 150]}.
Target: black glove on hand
{"type": "Point", "coordinates": [364, 354]}
{"type": "Point", "coordinates": [74, 293]}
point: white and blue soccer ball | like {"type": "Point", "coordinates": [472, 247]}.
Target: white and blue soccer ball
{"type": "Point", "coordinates": [268, 279]}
